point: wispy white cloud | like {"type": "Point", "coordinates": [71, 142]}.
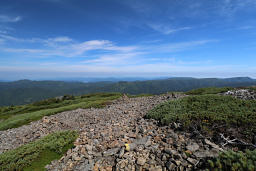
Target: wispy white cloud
{"type": "Point", "coordinates": [3, 32]}
{"type": "Point", "coordinates": [165, 29]}
{"type": "Point", "coordinates": [81, 48]}
{"type": "Point", "coordinates": [97, 52]}
{"type": "Point", "coordinates": [230, 8]}
{"type": "Point", "coordinates": [64, 46]}
{"type": "Point", "coordinates": [158, 69]}
{"type": "Point", "coordinates": [180, 46]}
{"type": "Point", "coordinates": [2, 41]}
{"type": "Point", "coordinates": [60, 39]}
{"type": "Point", "coordinates": [116, 59]}
{"type": "Point", "coordinates": [15, 39]}
{"type": "Point", "coordinates": [246, 27]}
{"type": "Point", "coordinates": [106, 49]}
{"type": "Point", "coordinates": [24, 50]}
{"type": "Point", "coordinates": [142, 53]}
{"type": "Point", "coordinates": [9, 19]}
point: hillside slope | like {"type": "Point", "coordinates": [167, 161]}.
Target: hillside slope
{"type": "Point", "coordinates": [123, 135]}
{"type": "Point", "coordinates": [119, 138]}
{"type": "Point", "coordinates": [25, 91]}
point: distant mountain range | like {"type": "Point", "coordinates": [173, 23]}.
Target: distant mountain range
{"type": "Point", "coordinates": [26, 91]}
{"type": "Point", "coordinates": [103, 79]}
{"type": "Point", "coordinates": [96, 79]}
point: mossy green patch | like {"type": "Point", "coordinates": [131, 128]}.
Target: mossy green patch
{"type": "Point", "coordinates": [45, 158]}
{"type": "Point", "coordinates": [205, 111]}
{"type": "Point", "coordinates": [208, 90]}
{"type": "Point", "coordinates": [37, 154]}
{"type": "Point", "coordinates": [235, 161]}
{"type": "Point", "coordinates": [139, 95]}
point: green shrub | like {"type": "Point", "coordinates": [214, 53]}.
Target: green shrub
{"type": "Point", "coordinates": [25, 114]}
{"type": "Point", "coordinates": [48, 148]}
{"type": "Point", "coordinates": [100, 95]}
{"type": "Point", "coordinates": [208, 90]}
{"type": "Point", "coordinates": [68, 97]}
{"type": "Point", "coordinates": [46, 102]}
{"type": "Point", "coordinates": [252, 88]}
{"type": "Point", "coordinates": [235, 161]}
{"type": "Point", "coordinates": [139, 95]}
{"type": "Point", "coordinates": [207, 110]}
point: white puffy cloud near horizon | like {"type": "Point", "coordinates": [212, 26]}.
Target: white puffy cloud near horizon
{"type": "Point", "coordinates": [142, 70]}
{"type": "Point", "coordinates": [108, 57]}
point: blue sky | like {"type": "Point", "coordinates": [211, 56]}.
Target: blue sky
{"type": "Point", "coordinates": [113, 38]}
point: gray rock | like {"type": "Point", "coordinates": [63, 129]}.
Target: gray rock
{"type": "Point", "coordinates": [212, 144]}
{"type": "Point", "coordinates": [110, 152]}
{"type": "Point", "coordinates": [203, 154]}
{"type": "Point", "coordinates": [164, 158]}
{"type": "Point", "coordinates": [88, 148]}
{"type": "Point", "coordinates": [170, 166]}
{"type": "Point", "coordinates": [192, 146]}
{"type": "Point", "coordinates": [121, 153]}
{"type": "Point", "coordinates": [141, 161]}
{"type": "Point", "coordinates": [170, 151]}
{"type": "Point", "coordinates": [192, 161]}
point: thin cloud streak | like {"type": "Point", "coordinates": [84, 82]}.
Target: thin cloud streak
{"type": "Point", "coordinates": [116, 59]}
{"type": "Point", "coordinates": [67, 47]}
{"type": "Point", "coordinates": [8, 19]}
{"type": "Point", "coordinates": [164, 29]}
{"type": "Point", "coordinates": [159, 69]}
{"type": "Point", "coordinates": [64, 46]}
{"type": "Point", "coordinates": [180, 46]}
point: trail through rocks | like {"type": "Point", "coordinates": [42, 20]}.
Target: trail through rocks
{"type": "Point", "coordinates": [80, 119]}
{"type": "Point", "coordinates": [117, 137]}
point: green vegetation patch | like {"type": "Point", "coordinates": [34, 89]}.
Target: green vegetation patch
{"type": "Point", "coordinates": [252, 88]}
{"type": "Point", "coordinates": [36, 155]}
{"type": "Point", "coordinates": [208, 90]}
{"type": "Point", "coordinates": [139, 95]}
{"type": "Point", "coordinates": [21, 115]}
{"type": "Point", "coordinates": [207, 111]}
{"type": "Point", "coordinates": [235, 161]}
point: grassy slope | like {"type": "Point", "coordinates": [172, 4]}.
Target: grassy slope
{"type": "Point", "coordinates": [208, 90]}
{"type": "Point", "coordinates": [237, 161]}
{"type": "Point", "coordinates": [37, 154]}
{"type": "Point", "coordinates": [19, 115]}
{"type": "Point", "coordinates": [206, 111]}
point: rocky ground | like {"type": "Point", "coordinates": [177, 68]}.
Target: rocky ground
{"type": "Point", "coordinates": [245, 94]}
{"type": "Point", "coordinates": [117, 138]}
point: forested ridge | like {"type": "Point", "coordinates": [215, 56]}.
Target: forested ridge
{"type": "Point", "coordinates": [27, 91]}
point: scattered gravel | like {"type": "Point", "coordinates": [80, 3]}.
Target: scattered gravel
{"type": "Point", "coordinates": [117, 138]}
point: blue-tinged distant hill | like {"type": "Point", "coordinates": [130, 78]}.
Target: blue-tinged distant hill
{"type": "Point", "coordinates": [104, 79]}
{"type": "Point", "coordinates": [26, 91]}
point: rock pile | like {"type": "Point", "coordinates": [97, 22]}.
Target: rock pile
{"type": "Point", "coordinates": [117, 137]}
{"type": "Point", "coordinates": [136, 145]}
{"type": "Point", "coordinates": [245, 94]}
{"type": "Point", "coordinates": [77, 120]}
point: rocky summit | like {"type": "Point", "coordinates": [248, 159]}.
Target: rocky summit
{"type": "Point", "coordinates": [117, 137]}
